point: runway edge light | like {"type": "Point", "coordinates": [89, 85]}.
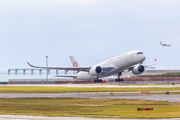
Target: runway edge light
{"type": "Point", "coordinates": [140, 109]}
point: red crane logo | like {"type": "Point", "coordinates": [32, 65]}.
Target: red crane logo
{"type": "Point", "coordinates": [75, 64]}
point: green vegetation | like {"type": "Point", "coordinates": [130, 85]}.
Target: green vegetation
{"type": "Point", "coordinates": [176, 74]}
{"type": "Point", "coordinates": [74, 89]}
{"type": "Point", "coordinates": [89, 108]}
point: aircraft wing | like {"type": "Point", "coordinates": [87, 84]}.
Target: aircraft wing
{"type": "Point", "coordinates": [86, 69]}
{"type": "Point", "coordinates": [151, 64]}
{"type": "Point", "coordinates": [130, 68]}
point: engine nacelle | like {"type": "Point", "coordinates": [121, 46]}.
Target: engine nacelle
{"type": "Point", "coordinates": [97, 70]}
{"type": "Point", "coordinates": [139, 69]}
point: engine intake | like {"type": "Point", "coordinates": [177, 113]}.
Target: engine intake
{"type": "Point", "coordinates": [95, 71]}
{"type": "Point", "coordinates": [98, 69]}
{"type": "Point", "coordinates": [139, 69]}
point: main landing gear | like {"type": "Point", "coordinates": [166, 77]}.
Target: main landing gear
{"type": "Point", "coordinates": [97, 80]}
{"type": "Point", "coordinates": [119, 80]}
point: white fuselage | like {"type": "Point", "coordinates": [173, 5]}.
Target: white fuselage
{"type": "Point", "coordinates": [166, 45]}
{"type": "Point", "coordinates": [119, 63]}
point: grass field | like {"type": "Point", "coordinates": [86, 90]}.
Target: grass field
{"type": "Point", "coordinates": [89, 108]}
{"type": "Point", "coordinates": [75, 89]}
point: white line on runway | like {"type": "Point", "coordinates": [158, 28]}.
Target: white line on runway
{"type": "Point", "coordinates": [23, 117]}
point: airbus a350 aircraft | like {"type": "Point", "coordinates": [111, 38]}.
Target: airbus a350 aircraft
{"type": "Point", "coordinates": [131, 61]}
{"type": "Point", "coordinates": [168, 45]}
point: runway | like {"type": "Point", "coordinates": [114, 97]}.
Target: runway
{"type": "Point", "coordinates": [170, 98]}
{"type": "Point", "coordinates": [91, 95]}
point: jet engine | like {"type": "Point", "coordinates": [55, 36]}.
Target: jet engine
{"type": "Point", "coordinates": [139, 69]}
{"type": "Point", "coordinates": [97, 70]}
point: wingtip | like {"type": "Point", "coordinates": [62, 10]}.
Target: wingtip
{"type": "Point", "coordinates": [29, 64]}
{"type": "Point", "coordinates": [155, 60]}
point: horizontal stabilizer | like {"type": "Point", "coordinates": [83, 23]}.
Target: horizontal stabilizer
{"type": "Point", "coordinates": [152, 64]}
{"type": "Point", "coordinates": [72, 76]}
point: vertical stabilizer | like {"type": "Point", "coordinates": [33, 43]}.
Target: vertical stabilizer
{"type": "Point", "coordinates": [161, 43]}
{"type": "Point", "coordinates": [74, 62]}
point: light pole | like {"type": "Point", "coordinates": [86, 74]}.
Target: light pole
{"type": "Point", "coordinates": [47, 68]}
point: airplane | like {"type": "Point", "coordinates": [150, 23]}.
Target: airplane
{"type": "Point", "coordinates": [131, 61]}
{"type": "Point", "coordinates": [168, 45]}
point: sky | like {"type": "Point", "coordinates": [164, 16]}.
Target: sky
{"type": "Point", "coordinates": [91, 30]}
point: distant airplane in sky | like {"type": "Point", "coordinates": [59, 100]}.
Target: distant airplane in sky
{"type": "Point", "coordinates": [131, 61]}
{"type": "Point", "coordinates": [168, 45]}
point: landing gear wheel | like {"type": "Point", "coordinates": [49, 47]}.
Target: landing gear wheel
{"type": "Point", "coordinates": [95, 81]}
{"type": "Point", "coordinates": [119, 80]}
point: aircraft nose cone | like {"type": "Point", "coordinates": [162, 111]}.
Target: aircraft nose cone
{"type": "Point", "coordinates": [144, 57]}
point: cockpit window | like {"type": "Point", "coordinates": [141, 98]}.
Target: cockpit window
{"type": "Point", "coordinates": [139, 53]}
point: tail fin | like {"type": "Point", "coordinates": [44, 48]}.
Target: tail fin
{"type": "Point", "coordinates": [161, 43]}
{"type": "Point", "coordinates": [74, 62]}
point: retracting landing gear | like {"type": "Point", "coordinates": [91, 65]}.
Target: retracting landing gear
{"type": "Point", "coordinates": [97, 80]}
{"type": "Point", "coordinates": [119, 80]}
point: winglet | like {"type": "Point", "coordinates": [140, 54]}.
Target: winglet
{"type": "Point", "coordinates": [155, 61]}
{"type": "Point", "coordinates": [31, 65]}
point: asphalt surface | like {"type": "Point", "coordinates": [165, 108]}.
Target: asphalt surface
{"type": "Point", "coordinates": [170, 98]}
